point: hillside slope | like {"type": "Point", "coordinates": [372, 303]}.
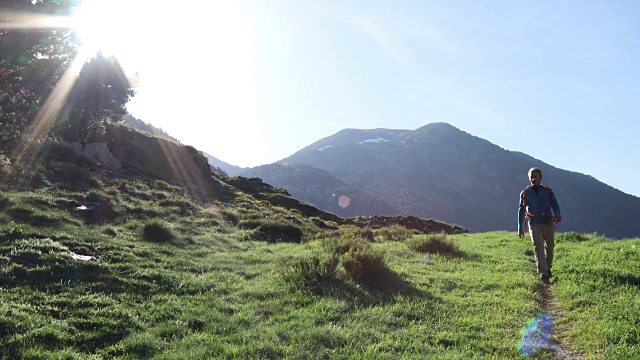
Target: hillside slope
{"type": "Point", "coordinates": [320, 188]}
{"type": "Point", "coordinates": [163, 259]}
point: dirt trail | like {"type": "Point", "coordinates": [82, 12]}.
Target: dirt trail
{"type": "Point", "coordinates": [561, 346]}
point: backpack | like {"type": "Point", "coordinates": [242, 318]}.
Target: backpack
{"type": "Point", "coordinates": [526, 190]}
{"type": "Point", "coordinates": [528, 215]}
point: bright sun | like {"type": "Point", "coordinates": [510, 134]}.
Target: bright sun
{"type": "Point", "coordinates": [109, 26]}
{"type": "Point", "coordinates": [197, 53]}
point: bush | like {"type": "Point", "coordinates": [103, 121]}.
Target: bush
{"type": "Point", "coordinates": [340, 246]}
{"type": "Point", "coordinates": [184, 207]}
{"type": "Point", "coordinates": [20, 214]}
{"type": "Point", "coordinates": [571, 236]}
{"type": "Point", "coordinates": [12, 233]}
{"type": "Point", "coordinates": [310, 274]}
{"type": "Point", "coordinates": [157, 231]}
{"type": "Point", "coordinates": [96, 195]}
{"type": "Point", "coordinates": [394, 233]}
{"type": "Point", "coordinates": [102, 208]}
{"type": "Point", "coordinates": [55, 151]}
{"type": "Point", "coordinates": [163, 185]}
{"type": "Point", "coordinates": [70, 174]}
{"type": "Point", "coordinates": [364, 263]}
{"type": "Point", "coordinates": [432, 243]}
{"type": "Point", "coordinates": [273, 231]}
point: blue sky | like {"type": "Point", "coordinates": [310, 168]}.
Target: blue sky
{"type": "Point", "coordinates": [251, 82]}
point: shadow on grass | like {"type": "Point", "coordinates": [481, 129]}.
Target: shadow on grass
{"type": "Point", "coordinates": [389, 282]}
{"type": "Point", "coordinates": [438, 244]}
{"type": "Point", "coordinates": [628, 280]}
{"type": "Point", "coordinates": [380, 290]}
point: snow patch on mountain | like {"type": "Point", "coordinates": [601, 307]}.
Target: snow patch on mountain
{"type": "Point", "coordinates": [378, 140]}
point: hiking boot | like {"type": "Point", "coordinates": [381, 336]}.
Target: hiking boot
{"type": "Point", "coordinates": [550, 274]}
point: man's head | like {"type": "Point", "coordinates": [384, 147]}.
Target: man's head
{"type": "Point", "coordinates": [535, 176]}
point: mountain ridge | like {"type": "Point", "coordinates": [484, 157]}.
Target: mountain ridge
{"type": "Point", "coordinates": [439, 171]}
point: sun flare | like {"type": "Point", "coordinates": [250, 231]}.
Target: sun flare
{"type": "Point", "coordinates": [108, 26]}
{"type": "Point", "coordinates": [179, 56]}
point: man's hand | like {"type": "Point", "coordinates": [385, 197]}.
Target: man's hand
{"type": "Point", "coordinates": [558, 218]}
{"type": "Point", "coordinates": [521, 234]}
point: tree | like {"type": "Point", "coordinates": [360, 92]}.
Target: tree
{"type": "Point", "coordinates": [34, 59]}
{"type": "Point", "coordinates": [31, 61]}
{"type": "Point", "coordinates": [98, 95]}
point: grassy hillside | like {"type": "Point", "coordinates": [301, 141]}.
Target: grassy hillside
{"type": "Point", "coordinates": [172, 279]}
{"type": "Point", "coordinates": [164, 260]}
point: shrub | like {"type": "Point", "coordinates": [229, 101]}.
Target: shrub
{"type": "Point", "coordinates": [572, 236]}
{"type": "Point", "coordinates": [110, 231]}
{"type": "Point", "coordinates": [12, 233]}
{"type": "Point", "coordinates": [103, 208]}
{"type": "Point", "coordinates": [163, 185]}
{"type": "Point", "coordinates": [432, 243]}
{"type": "Point", "coordinates": [140, 346]}
{"type": "Point", "coordinates": [340, 246]}
{"type": "Point", "coordinates": [157, 231]}
{"type": "Point", "coordinates": [20, 214]}
{"type": "Point", "coordinates": [184, 207]}
{"type": "Point", "coordinates": [96, 195]}
{"type": "Point", "coordinates": [394, 233]}
{"type": "Point", "coordinates": [350, 232]}
{"type": "Point", "coordinates": [364, 263]}
{"type": "Point", "coordinates": [229, 216]}
{"type": "Point", "coordinates": [55, 151]}
{"type": "Point", "coordinates": [250, 214]}
{"type": "Point", "coordinates": [70, 174]}
{"type": "Point", "coordinates": [310, 274]}
{"type": "Point", "coordinates": [273, 231]}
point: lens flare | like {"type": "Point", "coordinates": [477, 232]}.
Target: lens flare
{"type": "Point", "coordinates": [344, 201]}
{"type": "Point", "coordinates": [537, 334]}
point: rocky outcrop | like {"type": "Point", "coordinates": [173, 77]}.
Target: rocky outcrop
{"type": "Point", "coordinates": [96, 154]}
{"type": "Point", "coordinates": [100, 152]}
{"type": "Point", "coordinates": [425, 226]}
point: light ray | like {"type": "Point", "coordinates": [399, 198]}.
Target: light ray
{"type": "Point", "coordinates": [20, 20]}
{"type": "Point", "coordinates": [27, 152]}
{"type": "Point", "coordinates": [46, 115]}
{"type": "Point", "coordinates": [184, 168]}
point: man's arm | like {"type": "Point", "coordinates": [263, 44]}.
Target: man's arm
{"type": "Point", "coordinates": [555, 206]}
{"type": "Point", "coordinates": [521, 211]}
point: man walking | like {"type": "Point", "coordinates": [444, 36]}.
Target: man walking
{"type": "Point", "coordinates": [536, 203]}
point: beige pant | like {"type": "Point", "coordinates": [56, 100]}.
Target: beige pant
{"type": "Point", "coordinates": [542, 237]}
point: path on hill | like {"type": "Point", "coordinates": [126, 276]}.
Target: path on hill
{"type": "Point", "coordinates": [561, 346]}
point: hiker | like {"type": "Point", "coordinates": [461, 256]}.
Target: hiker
{"type": "Point", "coordinates": [536, 203]}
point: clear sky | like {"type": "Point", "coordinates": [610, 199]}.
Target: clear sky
{"type": "Point", "coordinates": [253, 81]}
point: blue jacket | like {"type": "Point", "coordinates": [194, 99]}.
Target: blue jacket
{"type": "Point", "coordinates": [537, 204]}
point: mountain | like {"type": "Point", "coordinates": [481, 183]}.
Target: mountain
{"type": "Point", "coordinates": [317, 186]}
{"type": "Point", "coordinates": [439, 171]}
{"type": "Point", "coordinates": [231, 170]}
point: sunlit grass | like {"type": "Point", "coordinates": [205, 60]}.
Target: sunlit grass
{"type": "Point", "coordinates": [598, 284]}
{"type": "Point", "coordinates": [214, 291]}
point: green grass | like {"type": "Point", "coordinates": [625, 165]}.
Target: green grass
{"type": "Point", "coordinates": [175, 280]}
{"type": "Point", "coordinates": [598, 284]}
